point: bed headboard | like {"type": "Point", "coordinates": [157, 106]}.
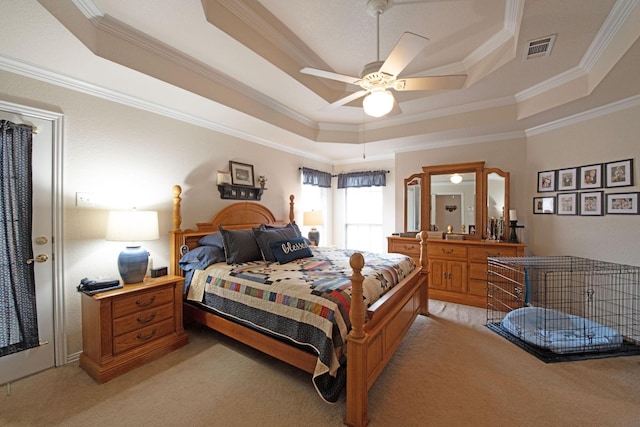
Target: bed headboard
{"type": "Point", "coordinates": [237, 216]}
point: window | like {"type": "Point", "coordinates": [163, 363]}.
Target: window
{"type": "Point", "coordinates": [314, 198]}
{"type": "Point", "coordinates": [363, 219]}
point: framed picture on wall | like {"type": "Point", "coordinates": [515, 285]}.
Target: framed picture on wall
{"type": "Point", "coordinates": [590, 176]}
{"type": "Point", "coordinates": [546, 181]}
{"type": "Point", "coordinates": [544, 205]}
{"type": "Point", "coordinates": [241, 174]}
{"type": "Point", "coordinates": [622, 203]}
{"type": "Point", "coordinates": [567, 179]}
{"type": "Point", "coordinates": [619, 174]}
{"type": "Point", "coordinates": [567, 204]}
{"type": "Point", "coordinates": [591, 203]}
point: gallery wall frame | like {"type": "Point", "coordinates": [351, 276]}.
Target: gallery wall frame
{"type": "Point", "coordinates": [546, 181]}
{"type": "Point", "coordinates": [622, 203]}
{"type": "Point", "coordinates": [567, 204]}
{"type": "Point", "coordinates": [544, 205]}
{"type": "Point", "coordinates": [619, 173]}
{"type": "Point", "coordinates": [591, 203]}
{"type": "Point", "coordinates": [567, 179]}
{"type": "Point", "coordinates": [591, 176]}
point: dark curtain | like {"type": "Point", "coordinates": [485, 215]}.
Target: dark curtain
{"type": "Point", "coordinates": [362, 179]}
{"type": "Point", "coordinates": [315, 177]}
{"type": "Point", "coordinates": [18, 316]}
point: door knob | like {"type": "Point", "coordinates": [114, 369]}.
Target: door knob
{"type": "Point", "coordinates": [39, 258]}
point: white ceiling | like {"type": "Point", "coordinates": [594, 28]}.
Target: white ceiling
{"type": "Point", "coordinates": [234, 66]}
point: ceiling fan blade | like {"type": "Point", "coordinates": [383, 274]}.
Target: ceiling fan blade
{"type": "Point", "coordinates": [346, 100]}
{"type": "Point", "coordinates": [431, 83]}
{"type": "Point", "coordinates": [407, 48]}
{"type": "Point", "coordinates": [329, 75]}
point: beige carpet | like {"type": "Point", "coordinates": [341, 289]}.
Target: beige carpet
{"type": "Point", "coordinates": [450, 371]}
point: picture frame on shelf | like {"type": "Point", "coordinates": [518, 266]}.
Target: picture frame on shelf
{"type": "Point", "coordinates": [619, 174]}
{"type": "Point", "coordinates": [224, 177]}
{"type": "Point", "coordinates": [567, 179]}
{"type": "Point", "coordinates": [546, 181]}
{"type": "Point", "coordinates": [591, 176]}
{"type": "Point", "coordinates": [544, 205]}
{"type": "Point", "coordinates": [622, 203]}
{"type": "Point", "coordinates": [591, 203]}
{"type": "Point", "coordinates": [567, 204]}
{"type": "Point", "coordinates": [241, 174]}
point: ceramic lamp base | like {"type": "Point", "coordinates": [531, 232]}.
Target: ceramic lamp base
{"type": "Point", "coordinates": [132, 264]}
{"type": "Point", "coordinates": [314, 236]}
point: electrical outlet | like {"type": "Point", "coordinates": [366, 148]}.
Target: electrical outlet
{"type": "Point", "coordinates": [85, 200]}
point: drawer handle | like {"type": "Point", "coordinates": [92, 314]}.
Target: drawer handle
{"type": "Point", "coordinates": [148, 319]}
{"type": "Point", "coordinates": [409, 247]}
{"type": "Point", "coordinates": [147, 337]}
{"type": "Point", "coordinates": [446, 251]}
{"type": "Point", "coordinates": [144, 304]}
{"type": "Point", "coordinates": [497, 254]}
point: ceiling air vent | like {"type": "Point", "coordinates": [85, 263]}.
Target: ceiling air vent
{"type": "Point", "coordinates": [539, 47]}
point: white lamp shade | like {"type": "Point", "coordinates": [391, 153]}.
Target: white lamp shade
{"type": "Point", "coordinates": [378, 103]}
{"type": "Point", "coordinates": [313, 218]}
{"type": "Point", "coordinates": [132, 226]}
{"type": "Point", "coordinates": [513, 215]}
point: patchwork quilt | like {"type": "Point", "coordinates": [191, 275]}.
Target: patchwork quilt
{"type": "Point", "coordinates": [305, 301]}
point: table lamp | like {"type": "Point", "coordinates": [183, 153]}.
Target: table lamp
{"type": "Point", "coordinates": [313, 218]}
{"type": "Point", "coordinates": [132, 226]}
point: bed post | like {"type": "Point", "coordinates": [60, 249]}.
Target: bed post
{"type": "Point", "coordinates": [424, 292]}
{"type": "Point", "coordinates": [291, 214]}
{"type": "Point", "coordinates": [175, 230]}
{"type": "Point", "coordinates": [357, 387]}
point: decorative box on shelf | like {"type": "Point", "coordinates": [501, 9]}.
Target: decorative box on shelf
{"type": "Point", "coordinates": [240, 192]}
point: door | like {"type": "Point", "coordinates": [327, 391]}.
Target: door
{"type": "Point", "coordinates": [27, 362]}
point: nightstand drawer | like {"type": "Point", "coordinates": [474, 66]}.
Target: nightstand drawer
{"type": "Point", "coordinates": [447, 251]}
{"type": "Point", "coordinates": [142, 301]}
{"type": "Point", "coordinates": [140, 319]}
{"type": "Point", "coordinates": [142, 336]}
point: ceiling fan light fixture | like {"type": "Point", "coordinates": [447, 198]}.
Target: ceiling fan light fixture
{"type": "Point", "coordinates": [378, 103]}
{"type": "Point", "coordinates": [456, 178]}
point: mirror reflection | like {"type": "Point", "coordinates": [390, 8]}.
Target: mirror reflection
{"type": "Point", "coordinates": [413, 207]}
{"type": "Point", "coordinates": [453, 201]}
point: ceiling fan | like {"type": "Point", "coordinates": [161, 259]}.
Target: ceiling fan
{"type": "Point", "coordinates": [376, 77]}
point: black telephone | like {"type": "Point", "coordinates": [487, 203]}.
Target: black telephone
{"type": "Point", "coordinates": [91, 287]}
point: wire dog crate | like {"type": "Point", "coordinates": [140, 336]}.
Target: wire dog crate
{"type": "Point", "coordinates": [565, 308]}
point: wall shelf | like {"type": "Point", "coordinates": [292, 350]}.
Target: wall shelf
{"type": "Point", "coordinates": [240, 192]}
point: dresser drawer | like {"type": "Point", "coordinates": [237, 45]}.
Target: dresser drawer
{"type": "Point", "coordinates": [480, 253]}
{"type": "Point", "coordinates": [134, 321]}
{"type": "Point", "coordinates": [407, 247]}
{"type": "Point", "coordinates": [142, 336]}
{"type": "Point", "coordinates": [446, 251]}
{"type": "Point", "coordinates": [478, 287]}
{"type": "Point", "coordinates": [478, 270]}
{"type": "Point", "coordinates": [141, 301]}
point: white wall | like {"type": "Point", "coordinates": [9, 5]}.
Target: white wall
{"type": "Point", "coordinates": [603, 139]}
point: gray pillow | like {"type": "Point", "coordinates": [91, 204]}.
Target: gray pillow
{"type": "Point", "coordinates": [266, 236]}
{"type": "Point", "coordinates": [201, 257]}
{"type": "Point", "coordinates": [240, 246]}
{"type": "Point", "coordinates": [213, 239]}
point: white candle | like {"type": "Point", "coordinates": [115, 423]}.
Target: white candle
{"type": "Point", "coordinates": [513, 216]}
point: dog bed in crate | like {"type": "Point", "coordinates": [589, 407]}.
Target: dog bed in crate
{"type": "Point", "coordinates": [560, 332]}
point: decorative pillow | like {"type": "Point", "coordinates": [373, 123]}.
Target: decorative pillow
{"type": "Point", "coordinates": [291, 225]}
{"type": "Point", "coordinates": [288, 250]}
{"type": "Point", "coordinates": [213, 239]}
{"type": "Point", "coordinates": [266, 236]}
{"type": "Point", "coordinates": [240, 246]}
{"type": "Point", "coordinates": [201, 257]}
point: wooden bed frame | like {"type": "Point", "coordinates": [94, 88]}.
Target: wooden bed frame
{"type": "Point", "coordinates": [370, 344]}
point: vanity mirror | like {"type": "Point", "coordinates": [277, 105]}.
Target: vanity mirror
{"type": "Point", "coordinates": [452, 195]}
{"type": "Point", "coordinates": [458, 194]}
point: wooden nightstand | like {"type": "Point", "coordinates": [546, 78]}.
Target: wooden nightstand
{"type": "Point", "coordinates": [127, 327]}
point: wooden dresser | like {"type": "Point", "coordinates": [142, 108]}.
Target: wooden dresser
{"type": "Point", "coordinates": [457, 268]}
{"type": "Point", "coordinates": [127, 327]}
